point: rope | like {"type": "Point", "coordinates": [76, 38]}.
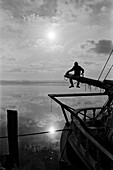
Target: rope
{"type": "Point", "coordinates": [108, 72]}
{"type": "Point", "coordinates": [51, 105]}
{"type": "Point", "coordinates": [62, 151]}
{"type": "Point", "coordinates": [37, 133]}
{"type": "Point", "coordinates": [105, 64]}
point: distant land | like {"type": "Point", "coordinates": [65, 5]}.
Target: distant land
{"type": "Point", "coordinates": [28, 82]}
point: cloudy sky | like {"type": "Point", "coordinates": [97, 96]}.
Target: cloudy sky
{"type": "Point", "coordinates": [40, 39]}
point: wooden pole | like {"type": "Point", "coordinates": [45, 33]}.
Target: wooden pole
{"type": "Point", "coordinates": [12, 127]}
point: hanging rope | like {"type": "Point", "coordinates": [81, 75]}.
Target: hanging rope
{"type": "Point", "coordinates": [105, 64]}
{"type": "Point", "coordinates": [51, 105]}
{"type": "Point", "coordinates": [56, 167]}
{"type": "Point", "coordinates": [35, 133]}
{"type": "Point", "coordinates": [108, 72]}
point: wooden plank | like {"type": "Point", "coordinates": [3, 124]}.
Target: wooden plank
{"type": "Point", "coordinates": [12, 127]}
{"type": "Point", "coordinates": [88, 81]}
{"type": "Point", "coordinates": [76, 94]}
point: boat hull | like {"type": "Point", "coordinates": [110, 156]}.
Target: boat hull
{"type": "Point", "coordinates": [78, 152]}
{"type": "Point", "coordinates": [71, 153]}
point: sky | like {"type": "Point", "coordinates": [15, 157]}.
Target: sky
{"type": "Point", "coordinates": [41, 39]}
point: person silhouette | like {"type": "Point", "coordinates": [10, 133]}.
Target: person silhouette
{"type": "Point", "coordinates": [78, 70]}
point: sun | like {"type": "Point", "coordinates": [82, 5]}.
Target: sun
{"type": "Point", "coordinates": [51, 35]}
{"type": "Point", "coordinates": [52, 130]}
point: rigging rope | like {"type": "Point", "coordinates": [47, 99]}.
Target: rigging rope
{"type": "Point", "coordinates": [37, 133]}
{"type": "Point", "coordinates": [44, 132]}
{"type": "Point", "coordinates": [63, 150]}
{"type": "Point", "coordinates": [108, 72]}
{"type": "Point", "coordinates": [105, 64]}
{"type": "Point", "coordinates": [51, 105]}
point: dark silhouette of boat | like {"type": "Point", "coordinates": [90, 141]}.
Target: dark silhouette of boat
{"type": "Point", "coordinates": [87, 139]}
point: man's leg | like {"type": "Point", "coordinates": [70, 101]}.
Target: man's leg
{"type": "Point", "coordinates": [71, 82]}
{"type": "Point", "coordinates": [78, 83]}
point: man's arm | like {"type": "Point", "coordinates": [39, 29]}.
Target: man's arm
{"type": "Point", "coordinates": [72, 69]}
{"type": "Point", "coordinates": [82, 70]}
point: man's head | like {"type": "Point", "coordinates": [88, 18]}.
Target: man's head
{"type": "Point", "coordinates": [76, 63]}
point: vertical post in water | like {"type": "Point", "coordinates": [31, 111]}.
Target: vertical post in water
{"type": "Point", "coordinates": [12, 127]}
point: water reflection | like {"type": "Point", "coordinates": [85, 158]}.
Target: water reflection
{"type": "Point", "coordinates": [33, 105]}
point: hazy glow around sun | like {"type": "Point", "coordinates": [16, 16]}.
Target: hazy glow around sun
{"type": "Point", "coordinates": [51, 35]}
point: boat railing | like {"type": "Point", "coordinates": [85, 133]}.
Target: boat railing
{"type": "Point", "coordinates": [77, 111]}
{"type": "Point", "coordinates": [92, 150]}
{"type": "Point", "coordinates": [98, 152]}
{"type": "Point", "coordinates": [92, 115]}
{"type": "Point", "coordinates": [88, 112]}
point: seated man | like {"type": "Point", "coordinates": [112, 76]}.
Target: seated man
{"type": "Point", "coordinates": [78, 70]}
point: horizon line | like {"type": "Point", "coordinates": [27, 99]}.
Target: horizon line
{"type": "Point", "coordinates": [25, 82]}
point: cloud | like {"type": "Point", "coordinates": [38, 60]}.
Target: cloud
{"type": "Point", "coordinates": [67, 10]}
{"type": "Point", "coordinates": [78, 9]}
{"type": "Point", "coordinates": [103, 9]}
{"type": "Point", "coordinates": [25, 42]}
{"type": "Point", "coordinates": [27, 7]}
{"type": "Point", "coordinates": [72, 10]}
{"type": "Point", "coordinates": [101, 47]}
{"type": "Point", "coordinates": [88, 44]}
{"type": "Point", "coordinates": [92, 56]}
{"type": "Point", "coordinates": [48, 47]}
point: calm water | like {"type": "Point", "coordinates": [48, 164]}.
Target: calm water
{"type": "Point", "coordinates": [36, 113]}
